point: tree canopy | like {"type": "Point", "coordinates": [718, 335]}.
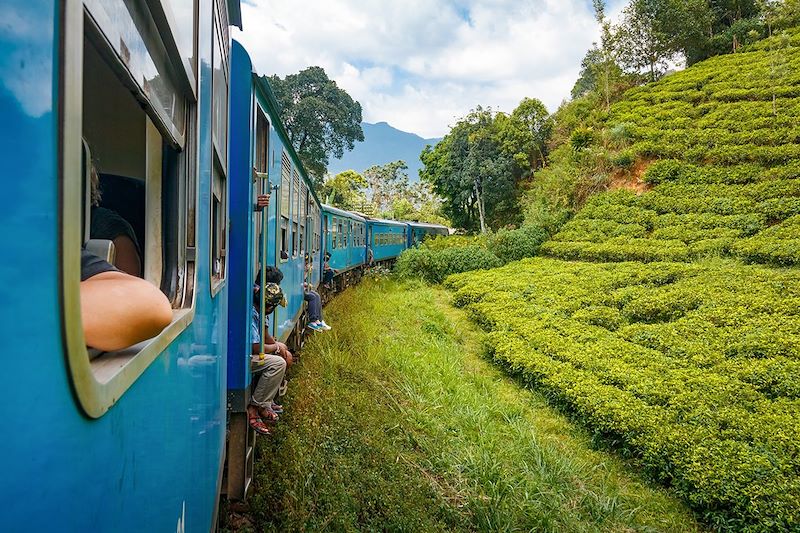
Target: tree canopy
{"type": "Point", "coordinates": [477, 166]}
{"type": "Point", "coordinates": [346, 190]}
{"type": "Point", "coordinates": [322, 120]}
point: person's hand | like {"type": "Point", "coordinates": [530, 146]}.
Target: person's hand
{"type": "Point", "coordinates": [283, 350]}
{"type": "Point", "coordinates": [262, 201]}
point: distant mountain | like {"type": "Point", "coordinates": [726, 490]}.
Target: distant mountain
{"type": "Point", "coordinates": [383, 144]}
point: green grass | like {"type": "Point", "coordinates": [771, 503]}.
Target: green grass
{"type": "Point", "coordinates": [395, 421]}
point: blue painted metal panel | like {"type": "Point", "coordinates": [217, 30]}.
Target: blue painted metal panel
{"type": "Point", "coordinates": [388, 238]}
{"type": "Point", "coordinates": [152, 462]}
{"type": "Point", "coordinates": [344, 256]}
{"type": "Point", "coordinates": [242, 218]}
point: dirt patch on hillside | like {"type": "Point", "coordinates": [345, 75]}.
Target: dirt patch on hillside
{"type": "Point", "coordinates": [632, 179]}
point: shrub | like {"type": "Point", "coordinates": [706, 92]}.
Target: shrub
{"type": "Point", "coordinates": [435, 265]}
{"type": "Point", "coordinates": [691, 368]}
{"type": "Point", "coordinates": [512, 245]}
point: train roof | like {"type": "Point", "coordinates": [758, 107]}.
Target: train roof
{"type": "Point", "coordinates": [388, 222]}
{"type": "Point", "coordinates": [428, 225]}
{"type": "Point", "coordinates": [342, 212]}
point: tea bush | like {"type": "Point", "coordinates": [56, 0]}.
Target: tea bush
{"type": "Point", "coordinates": [434, 265]}
{"type": "Point", "coordinates": [694, 368]}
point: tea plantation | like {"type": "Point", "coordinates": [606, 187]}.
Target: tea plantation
{"type": "Point", "coordinates": [692, 368]}
{"type": "Point", "coordinates": [666, 315]}
{"type": "Point", "coordinates": [723, 141]}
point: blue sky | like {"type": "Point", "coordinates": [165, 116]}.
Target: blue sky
{"type": "Point", "coordinates": [422, 64]}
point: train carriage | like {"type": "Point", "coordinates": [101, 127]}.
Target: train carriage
{"type": "Point", "coordinates": [417, 231]}
{"type": "Point", "coordinates": [262, 161]}
{"type": "Point", "coordinates": [131, 440]}
{"type": "Point", "coordinates": [387, 239]}
{"type": "Point", "coordinates": [345, 239]}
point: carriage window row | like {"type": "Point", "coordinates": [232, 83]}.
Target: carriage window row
{"type": "Point", "coordinates": [386, 239]}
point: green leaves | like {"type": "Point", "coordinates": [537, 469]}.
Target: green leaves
{"type": "Point", "coordinates": [694, 369]}
{"type": "Point", "coordinates": [321, 119]}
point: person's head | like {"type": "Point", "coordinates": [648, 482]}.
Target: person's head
{"type": "Point", "coordinates": [273, 297]}
{"type": "Point", "coordinates": [273, 275]}
{"type": "Point", "coordinates": [327, 256]}
{"type": "Point", "coordinates": [94, 178]}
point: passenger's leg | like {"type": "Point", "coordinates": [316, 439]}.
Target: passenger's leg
{"type": "Point", "coordinates": [268, 384]}
{"type": "Point", "coordinates": [314, 306]}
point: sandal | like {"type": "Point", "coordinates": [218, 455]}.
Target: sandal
{"type": "Point", "coordinates": [277, 408]}
{"type": "Point", "coordinates": [258, 425]}
{"type": "Point", "coordinates": [270, 417]}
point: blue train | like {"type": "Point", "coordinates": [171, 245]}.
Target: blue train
{"type": "Point", "coordinates": [150, 109]}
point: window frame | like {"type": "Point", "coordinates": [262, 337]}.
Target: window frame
{"type": "Point", "coordinates": [102, 382]}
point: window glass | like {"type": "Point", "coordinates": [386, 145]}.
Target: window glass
{"type": "Point", "coordinates": [130, 30]}
{"type": "Point", "coordinates": [184, 14]}
{"type": "Point", "coordinates": [218, 222]}
{"type": "Point", "coordinates": [220, 93]}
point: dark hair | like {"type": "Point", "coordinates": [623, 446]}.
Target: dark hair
{"type": "Point", "coordinates": [272, 275]}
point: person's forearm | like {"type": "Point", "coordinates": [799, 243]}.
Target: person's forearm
{"type": "Point", "coordinates": [119, 310]}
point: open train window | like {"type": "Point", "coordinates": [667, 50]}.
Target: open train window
{"type": "Point", "coordinates": [286, 176]}
{"type": "Point", "coordinates": [261, 180]}
{"type": "Point", "coordinates": [219, 128]}
{"type": "Point", "coordinates": [128, 142]}
{"type": "Point", "coordinates": [334, 234]}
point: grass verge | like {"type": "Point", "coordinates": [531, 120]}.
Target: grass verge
{"type": "Point", "coordinates": [396, 422]}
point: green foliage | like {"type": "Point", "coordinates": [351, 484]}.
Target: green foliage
{"type": "Point", "coordinates": [415, 431]}
{"type": "Point", "coordinates": [322, 120]}
{"type": "Point", "coordinates": [691, 368]}
{"type": "Point", "coordinates": [512, 245]}
{"type": "Point", "coordinates": [345, 190]}
{"type": "Point", "coordinates": [524, 134]}
{"type": "Point", "coordinates": [472, 173]}
{"type": "Point", "coordinates": [435, 265]}
{"type": "Point", "coordinates": [581, 138]}
{"type": "Point", "coordinates": [727, 146]}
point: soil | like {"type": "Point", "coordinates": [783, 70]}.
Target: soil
{"type": "Point", "coordinates": [632, 179]}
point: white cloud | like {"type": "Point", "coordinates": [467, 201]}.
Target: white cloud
{"type": "Point", "coordinates": [422, 64]}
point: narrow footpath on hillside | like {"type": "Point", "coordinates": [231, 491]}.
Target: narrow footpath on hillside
{"type": "Point", "coordinates": [395, 420]}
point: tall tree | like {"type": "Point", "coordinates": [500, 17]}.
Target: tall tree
{"type": "Point", "coordinates": [322, 120]}
{"type": "Point", "coordinates": [641, 43]}
{"type": "Point", "coordinates": [524, 134]}
{"type": "Point", "coordinates": [387, 182]}
{"type": "Point", "coordinates": [346, 190]}
{"type": "Point", "coordinates": [472, 173]}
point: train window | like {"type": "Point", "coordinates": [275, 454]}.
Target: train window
{"type": "Point", "coordinates": [295, 211]}
{"type": "Point", "coordinates": [129, 122]}
{"type": "Point", "coordinates": [286, 172]}
{"type": "Point", "coordinates": [218, 224]}
{"type": "Point", "coordinates": [219, 127]}
{"type": "Point", "coordinates": [333, 234]}
{"type": "Point", "coordinates": [261, 158]}
{"type": "Point", "coordinates": [302, 216]}
{"type": "Point", "coordinates": [341, 235]}
{"type": "Point", "coordinates": [221, 55]}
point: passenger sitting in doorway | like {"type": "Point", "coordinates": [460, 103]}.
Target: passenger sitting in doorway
{"type": "Point", "coordinates": [118, 310]}
{"type": "Point", "coordinates": [109, 225]}
{"type": "Point", "coordinates": [315, 321]}
{"type": "Point", "coordinates": [327, 272]}
{"type": "Point", "coordinates": [271, 365]}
